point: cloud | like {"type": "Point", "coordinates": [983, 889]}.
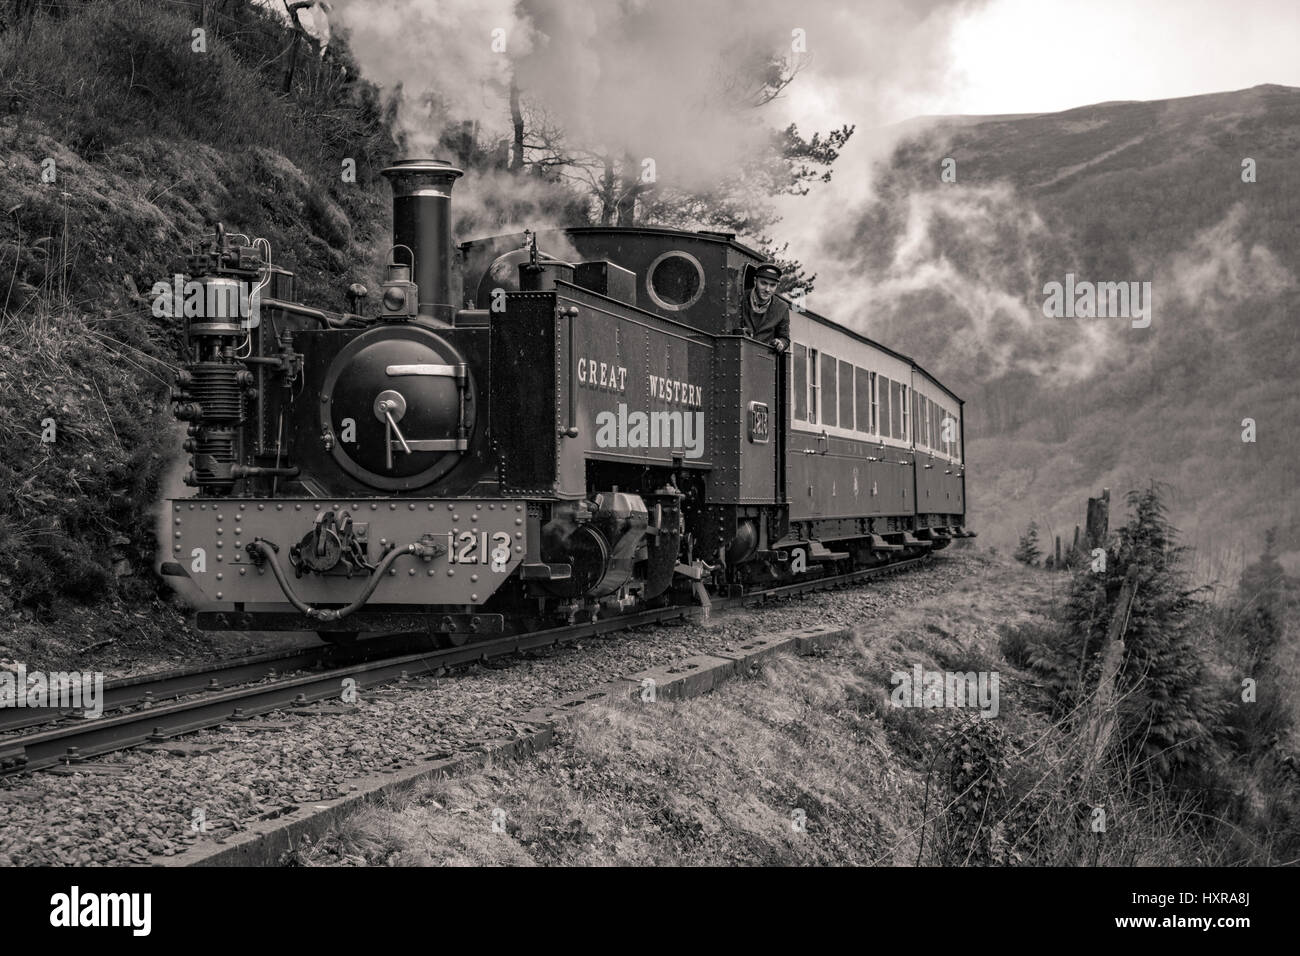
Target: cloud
{"type": "Point", "coordinates": [1220, 266]}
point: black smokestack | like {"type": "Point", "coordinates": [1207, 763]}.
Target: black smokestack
{"type": "Point", "coordinates": [422, 222]}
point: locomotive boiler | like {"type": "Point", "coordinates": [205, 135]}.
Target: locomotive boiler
{"type": "Point", "coordinates": [533, 429]}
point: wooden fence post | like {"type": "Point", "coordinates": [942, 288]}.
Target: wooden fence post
{"type": "Point", "coordinates": [1098, 524]}
{"type": "Point", "coordinates": [1101, 721]}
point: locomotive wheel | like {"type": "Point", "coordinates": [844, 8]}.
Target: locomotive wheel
{"type": "Point", "coordinates": [339, 637]}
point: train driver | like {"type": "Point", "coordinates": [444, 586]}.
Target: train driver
{"type": "Point", "coordinates": [764, 316]}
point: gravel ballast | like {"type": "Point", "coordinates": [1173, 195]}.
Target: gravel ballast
{"type": "Point", "coordinates": [133, 806]}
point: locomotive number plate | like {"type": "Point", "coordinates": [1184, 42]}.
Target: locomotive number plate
{"type": "Point", "coordinates": [759, 423]}
{"type": "Point", "coordinates": [481, 547]}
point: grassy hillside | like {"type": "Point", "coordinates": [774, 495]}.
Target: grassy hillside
{"type": "Point", "coordinates": [119, 144]}
{"type": "Point", "coordinates": [1059, 408]}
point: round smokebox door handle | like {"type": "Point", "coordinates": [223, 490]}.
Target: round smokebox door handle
{"type": "Point", "coordinates": [389, 402]}
{"type": "Point", "coordinates": [390, 406]}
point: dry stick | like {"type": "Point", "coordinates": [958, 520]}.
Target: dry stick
{"type": "Point", "coordinates": [983, 813]}
{"type": "Point", "coordinates": [12, 276]}
{"type": "Point", "coordinates": [107, 416]}
{"type": "Point", "coordinates": [135, 365]}
{"type": "Point", "coordinates": [926, 806]}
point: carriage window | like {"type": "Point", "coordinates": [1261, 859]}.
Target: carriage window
{"type": "Point", "coordinates": [903, 409]}
{"type": "Point", "coordinates": [875, 403]}
{"type": "Point", "coordinates": [862, 394]}
{"type": "Point", "coordinates": [846, 395]}
{"type": "Point", "coordinates": [895, 410]}
{"type": "Point", "coordinates": [882, 406]}
{"type": "Point", "coordinates": [929, 423]}
{"type": "Point", "coordinates": [800, 387]}
{"type": "Point", "coordinates": [812, 386]}
{"type": "Point", "coordinates": [830, 400]}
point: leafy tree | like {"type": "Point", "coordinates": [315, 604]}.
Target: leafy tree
{"type": "Point", "coordinates": [786, 163]}
{"type": "Point", "coordinates": [1027, 551]}
{"type": "Point", "coordinates": [1255, 622]}
{"type": "Point", "coordinates": [1168, 714]}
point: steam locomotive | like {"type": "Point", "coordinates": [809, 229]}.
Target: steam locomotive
{"type": "Point", "coordinates": [534, 429]}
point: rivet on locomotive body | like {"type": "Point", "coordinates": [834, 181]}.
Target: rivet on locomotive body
{"type": "Point", "coordinates": [473, 597]}
{"type": "Point", "coordinates": [374, 506]}
{"type": "Point", "coordinates": [297, 507]}
{"type": "Point", "coordinates": [279, 507]}
{"type": "Point", "coordinates": [238, 530]}
{"type": "Point", "coordinates": [219, 575]}
{"type": "Point", "coordinates": [178, 520]}
{"type": "Point", "coordinates": [218, 531]}
{"type": "Point", "coordinates": [451, 507]}
{"type": "Point", "coordinates": [519, 521]}
{"type": "Point", "coordinates": [519, 549]}
{"type": "Point", "coordinates": [178, 534]}
{"type": "Point", "coordinates": [478, 507]}
{"type": "Point", "coordinates": [430, 505]}
{"type": "Point", "coordinates": [473, 517]}
{"type": "Point", "coordinates": [383, 541]}
{"type": "Point", "coordinates": [218, 595]}
{"type": "Point", "coordinates": [473, 577]}
{"type": "Point", "coordinates": [191, 507]}
{"type": "Point", "coordinates": [218, 556]}
{"type": "Point", "coordinates": [430, 572]}
{"type": "Point", "coordinates": [316, 507]}
{"type": "Point", "coordinates": [218, 542]}
{"type": "Point", "coordinates": [410, 507]}
{"type": "Point", "coordinates": [451, 572]}
{"type": "Point", "coordinates": [519, 534]}
{"type": "Point", "coordinates": [519, 507]}
{"type": "Point", "coordinates": [243, 570]}
{"type": "Point", "coordinates": [261, 507]}
{"type": "Point", "coordinates": [392, 507]}
{"type": "Point", "coordinates": [411, 571]}
{"type": "Point", "coordinates": [455, 517]}
{"type": "Point", "coordinates": [177, 507]}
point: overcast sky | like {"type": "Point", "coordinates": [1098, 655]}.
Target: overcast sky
{"type": "Point", "coordinates": [1028, 56]}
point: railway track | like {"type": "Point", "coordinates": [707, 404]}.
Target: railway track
{"type": "Point", "coordinates": [206, 699]}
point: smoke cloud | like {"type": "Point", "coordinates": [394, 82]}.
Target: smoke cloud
{"type": "Point", "coordinates": [658, 80]}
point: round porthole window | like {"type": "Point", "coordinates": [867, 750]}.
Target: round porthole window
{"type": "Point", "coordinates": [675, 281]}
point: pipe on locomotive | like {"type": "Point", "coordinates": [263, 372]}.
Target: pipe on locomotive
{"type": "Point", "coordinates": [422, 222]}
{"type": "Point", "coordinates": [262, 550]}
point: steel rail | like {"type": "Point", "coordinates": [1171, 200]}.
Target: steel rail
{"type": "Point", "coordinates": [73, 743]}
{"type": "Point", "coordinates": [158, 686]}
